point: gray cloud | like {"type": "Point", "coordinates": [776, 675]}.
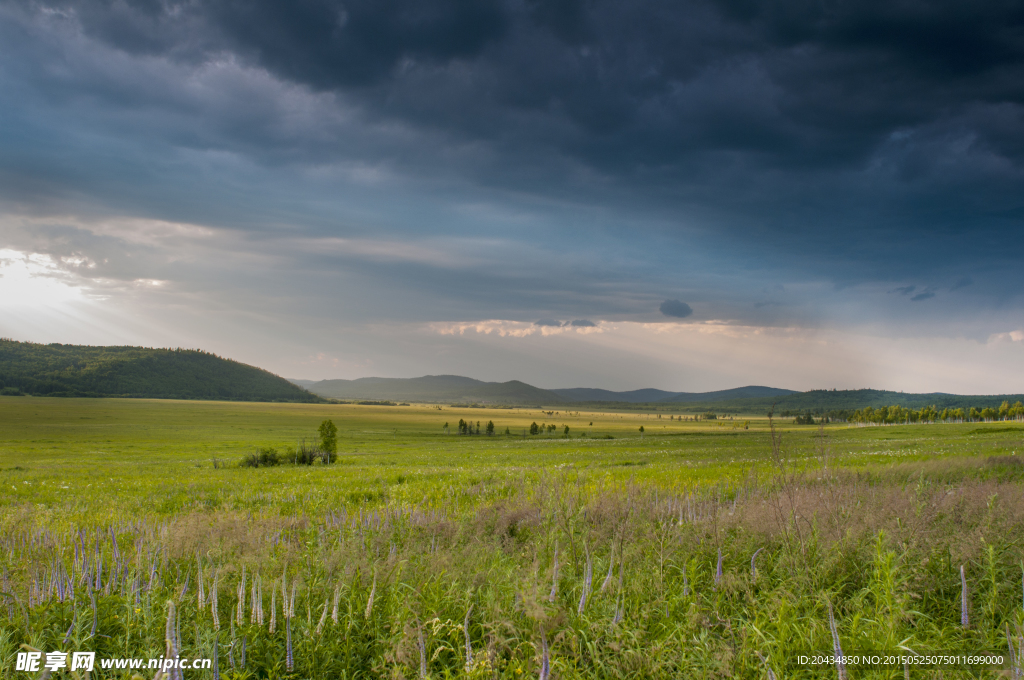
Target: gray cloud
{"type": "Point", "coordinates": [548, 323]}
{"type": "Point", "coordinates": [582, 323]}
{"type": "Point", "coordinates": [962, 282]}
{"type": "Point", "coordinates": [923, 295]}
{"type": "Point", "coordinates": [675, 309]}
{"type": "Point", "coordinates": [612, 150]}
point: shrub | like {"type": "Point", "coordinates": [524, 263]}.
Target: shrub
{"type": "Point", "coordinates": [307, 454]}
{"type": "Point", "coordinates": [264, 457]}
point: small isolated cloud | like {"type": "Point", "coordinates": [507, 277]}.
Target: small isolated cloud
{"type": "Point", "coordinates": [962, 282]}
{"type": "Point", "coordinates": [675, 308]}
{"type": "Point", "coordinates": [923, 295]}
{"type": "Point", "coordinates": [549, 322]}
{"type": "Point", "coordinates": [903, 290]}
{"type": "Point", "coordinates": [582, 323]}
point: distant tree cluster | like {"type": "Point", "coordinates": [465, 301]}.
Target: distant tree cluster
{"type": "Point", "coordinates": [889, 415]}
{"type": "Point", "coordinates": [547, 428]}
{"type": "Point", "coordinates": [466, 427]}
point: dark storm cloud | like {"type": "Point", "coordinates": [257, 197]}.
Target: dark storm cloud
{"type": "Point", "coordinates": [866, 142]}
{"type": "Point", "coordinates": [798, 84]}
{"type": "Point", "coordinates": [676, 309]}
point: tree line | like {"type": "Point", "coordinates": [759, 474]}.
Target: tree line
{"type": "Point", "coordinates": [466, 427]}
{"type": "Point", "coordinates": [891, 415]}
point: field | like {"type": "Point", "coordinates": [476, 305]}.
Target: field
{"type": "Point", "coordinates": [696, 549]}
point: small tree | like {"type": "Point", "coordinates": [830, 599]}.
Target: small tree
{"type": "Point", "coordinates": [566, 431]}
{"type": "Point", "coordinates": [490, 427]}
{"type": "Point", "coordinates": [641, 432]}
{"type": "Point", "coordinates": [328, 437]}
{"type": "Point", "coordinates": [534, 429]}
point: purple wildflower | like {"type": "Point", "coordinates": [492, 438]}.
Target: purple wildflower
{"type": "Point", "coordinates": [545, 661]}
{"type": "Point", "coordinates": [965, 620]}
{"type": "Point", "coordinates": [837, 650]}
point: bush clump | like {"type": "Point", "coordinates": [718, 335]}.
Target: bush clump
{"type": "Point", "coordinates": [264, 457]}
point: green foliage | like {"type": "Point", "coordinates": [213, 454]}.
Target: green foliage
{"type": "Point", "coordinates": [77, 370]}
{"type": "Point", "coordinates": [328, 432]}
{"type": "Point", "coordinates": [262, 457]}
{"type": "Point", "coordinates": [889, 415]}
{"type": "Point", "coordinates": [534, 428]}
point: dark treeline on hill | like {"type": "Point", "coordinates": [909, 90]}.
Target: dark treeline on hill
{"type": "Point", "coordinates": [84, 371]}
{"type": "Point", "coordinates": [833, 403]}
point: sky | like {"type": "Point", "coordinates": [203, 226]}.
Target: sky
{"type": "Point", "coordinates": [683, 194]}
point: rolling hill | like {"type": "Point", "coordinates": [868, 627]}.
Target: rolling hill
{"type": "Point", "coordinates": [454, 388]}
{"type": "Point", "coordinates": [86, 371]}
{"type": "Point", "coordinates": [750, 399]}
{"type": "Point", "coordinates": [434, 388]}
{"type": "Point", "coordinates": [585, 394]}
{"type": "Point", "coordinates": [651, 396]}
{"type": "Point", "coordinates": [824, 401]}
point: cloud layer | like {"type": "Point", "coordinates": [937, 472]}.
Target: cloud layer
{"type": "Point", "coordinates": [359, 165]}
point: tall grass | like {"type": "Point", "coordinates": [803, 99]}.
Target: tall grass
{"type": "Point", "coordinates": [855, 561]}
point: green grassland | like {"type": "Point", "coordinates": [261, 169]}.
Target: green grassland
{"type": "Point", "coordinates": [111, 508]}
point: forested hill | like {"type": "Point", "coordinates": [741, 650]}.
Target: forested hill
{"type": "Point", "coordinates": [830, 401]}
{"type": "Point", "coordinates": [434, 388]}
{"type": "Point", "coordinates": [85, 371]}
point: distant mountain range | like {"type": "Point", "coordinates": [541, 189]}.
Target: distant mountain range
{"type": "Point", "coordinates": [750, 399]}
{"type": "Point", "coordinates": [649, 395]}
{"type": "Point", "coordinates": [455, 388]}
{"type": "Point", "coordinates": [84, 371]}
{"type": "Point", "coordinates": [432, 388]}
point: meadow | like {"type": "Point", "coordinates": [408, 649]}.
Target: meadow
{"type": "Point", "coordinates": [707, 549]}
